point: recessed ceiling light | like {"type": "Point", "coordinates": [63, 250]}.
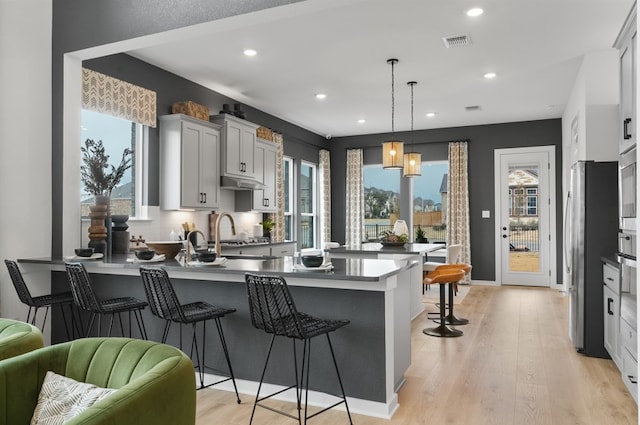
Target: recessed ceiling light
{"type": "Point", "coordinates": [362, 121]}
{"type": "Point", "coordinates": [431, 114]}
{"type": "Point", "coordinates": [476, 11]}
{"type": "Point", "coordinates": [490, 75]}
{"type": "Point", "coordinates": [250, 52]}
{"type": "Point", "coordinates": [321, 96]}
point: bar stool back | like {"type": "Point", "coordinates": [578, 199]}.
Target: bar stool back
{"type": "Point", "coordinates": [164, 304]}
{"type": "Point", "coordinates": [86, 299]}
{"type": "Point", "coordinates": [273, 310]}
{"type": "Point", "coordinates": [60, 299]}
{"type": "Point", "coordinates": [453, 256]}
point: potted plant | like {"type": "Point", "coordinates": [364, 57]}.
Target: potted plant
{"type": "Point", "coordinates": [267, 226]}
{"type": "Point", "coordinates": [95, 175]}
{"type": "Point", "coordinates": [420, 236]}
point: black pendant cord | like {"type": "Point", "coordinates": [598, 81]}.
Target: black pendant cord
{"type": "Point", "coordinates": [393, 103]}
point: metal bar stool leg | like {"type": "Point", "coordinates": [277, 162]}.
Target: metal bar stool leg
{"type": "Point", "coordinates": [264, 371]}
{"type": "Point", "coordinates": [442, 330]}
{"type": "Point", "coordinates": [223, 341]}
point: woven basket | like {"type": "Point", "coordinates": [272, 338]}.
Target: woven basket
{"type": "Point", "coordinates": [192, 109]}
{"type": "Point", "coordinates": [264, 133]}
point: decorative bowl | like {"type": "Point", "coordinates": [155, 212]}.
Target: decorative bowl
{"type": "Point", "coordinates": [312, 260]}
{"type": "Point", "coordinates": [169, 248]}
{"type": "Point", "coordinates": [145, 254]}
{"type": "Point", "coordinates": [84, 252]}
{"type": "Point", "coordinates": [206, 256]}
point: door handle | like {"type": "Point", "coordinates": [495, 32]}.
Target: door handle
{"type": "Point", "coordinates": [625, 126]}
{"type": "Point", "coordinates": [632, 379]}
{"type": "Point", "coordinates": [609, 301]}
{"type": "Point", "coordinates": [504, 236]}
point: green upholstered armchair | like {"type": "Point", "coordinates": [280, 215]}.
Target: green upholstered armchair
{"type": "Point", "coordinates": [18, 338]}
{"type": "Point", "coordinates": [155, 382]}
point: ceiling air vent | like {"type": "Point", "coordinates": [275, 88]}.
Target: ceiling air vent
{"type": "Point", "coordinates": [472, 108]}
{"type": "Point", "coordinates": [456, 41]}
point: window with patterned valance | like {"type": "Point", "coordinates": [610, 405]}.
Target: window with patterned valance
{"type": "Point", "coordinates": [108, 95]}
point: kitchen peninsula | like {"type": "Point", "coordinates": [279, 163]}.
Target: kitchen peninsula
{"type": "Point", "coordinates": [373, 294]}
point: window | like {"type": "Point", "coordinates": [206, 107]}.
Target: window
{"type": "Point", "coordinates": [289, 202]}
{"type": "Point", "coordinates": [308, 204]}
{"type": "Point", "coordinates": [382, 193]}
{"type": "Point", "coordinates": [116, 135]}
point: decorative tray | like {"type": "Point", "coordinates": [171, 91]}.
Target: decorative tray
{"type": "Point", "coordinates": [95, 256]}
{"type": "Point", "coordinates": [384, 243]}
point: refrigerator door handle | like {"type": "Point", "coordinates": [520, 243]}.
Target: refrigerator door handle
{"type": "Point", "coordinates": [567, 233]}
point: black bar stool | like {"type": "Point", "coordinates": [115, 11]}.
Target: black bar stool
{"type": "Point", "coordinates": [85, 298]}
{"type": "Point", "coordinates": [164, 304]}
{"type": "Point", "coordinates": [60, 299]}
{"type": "Point", "coordinates": [273, 311]}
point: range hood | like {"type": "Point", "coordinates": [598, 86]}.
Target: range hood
{"type": "Point", "coordinates": [238, 183]}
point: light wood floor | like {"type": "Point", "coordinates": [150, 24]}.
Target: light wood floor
{"type": "Point", "coordinates": [513, 366]}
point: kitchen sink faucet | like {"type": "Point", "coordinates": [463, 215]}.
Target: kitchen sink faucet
{"type": "Point", "coordinates": [233, 229]}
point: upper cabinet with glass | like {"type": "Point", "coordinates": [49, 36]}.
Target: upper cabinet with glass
{"type": "Point", "coordinates": [626, 44]}
{"type": "Point", "coordinates": [238, 146]}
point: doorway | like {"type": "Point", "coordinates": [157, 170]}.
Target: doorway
{"type": "Point", "coordinates": [525, 203]}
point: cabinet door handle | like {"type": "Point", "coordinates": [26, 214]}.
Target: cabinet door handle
{"type": "Point", "coordinates": [626, 122]}
{"type": "Point", "coordinates": [200, 197]}
{"type": "Point", "coordinates": [609, 301]}
{"type": "Point", "coordinates": [610, 279]}
{"type": "Point", "coordinates": [205, 198]}
{"type": "Point", "coordinates": [632, 379]}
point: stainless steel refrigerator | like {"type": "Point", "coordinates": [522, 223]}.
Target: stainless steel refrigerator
{"type": "Point", "coordinates": [591, 226]}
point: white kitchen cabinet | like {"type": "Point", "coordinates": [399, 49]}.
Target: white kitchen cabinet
{"type": "Point", "coordinates": [611, 292]}
{"type": "Point", "coordinates": [189, 163]}
{"type": "Point", "coordinates": [263, 200]}
{"type": "Point", "coordinates": [626, 44]}
{"type": "Point", "coordinates": [283, 249]}
{"type": "Point", "coordinates": [238, 146]}
{"type": "Point", "coordinates": [629, 354]}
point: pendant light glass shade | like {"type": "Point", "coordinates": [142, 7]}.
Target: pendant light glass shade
{"type": "Point", "coordinates": [412, 163]}
{"type": "Point", "coordinates": [392, 150]}
{"type": "Point", "coordinates": [392, 154]}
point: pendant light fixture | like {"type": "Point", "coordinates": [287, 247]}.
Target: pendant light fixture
{"type": "Point", "coordinates": [392, 150]}
{"type": "Point", "coordinates": [412, 160]}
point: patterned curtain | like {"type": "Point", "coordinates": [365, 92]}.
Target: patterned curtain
{"type": "Point", "coordinates": [354, 229]}
{"type": "Point", "coordinates": [458, 200]}
{"type": "Point", "coordinates": [325, 196]}
{"type": "Point", "coordinates": [108, 95]}
{"type": "Point", "coordinates": [278, 233]}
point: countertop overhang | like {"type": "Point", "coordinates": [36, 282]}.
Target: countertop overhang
{"type": "Point", "coordinates": [348, 273]}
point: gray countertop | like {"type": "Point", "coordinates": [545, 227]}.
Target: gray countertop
{"type": "Point", "coordinates": [611, 260]}
{"type": "Point", "coordinates": [352, 269]}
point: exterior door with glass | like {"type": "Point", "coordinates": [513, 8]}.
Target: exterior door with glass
{"type": "Point", "coordinates": [524, 201]}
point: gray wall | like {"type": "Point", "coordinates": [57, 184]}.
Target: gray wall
{"type": "Point", "coordinates": [483, 140]}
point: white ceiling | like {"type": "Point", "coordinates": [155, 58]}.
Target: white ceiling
{"type": "Point", "coordinates": [341, 47]}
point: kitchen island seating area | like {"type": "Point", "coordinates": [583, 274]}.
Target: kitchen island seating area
{"type": "Point", "coordinates": [273, 310]}
{"type": "Point", "coordinates": [372, 294]}
{"type": "Point", "coordinates": [165, 305]}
